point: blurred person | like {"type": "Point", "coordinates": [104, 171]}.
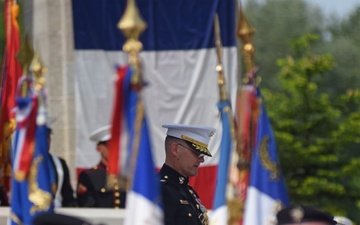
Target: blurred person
{"type": "Point", "coordinates": [59, 219]}
{"type": "Point", "coordinates": [64, 195]}
{"type": "Point", "coordinates": [3, 197]}
{"type": "Point", "coordinates": [303, 215]}
{"type": "Point", "coordinates": [92, 190]}
{"type": "Point", "coordinates": [343, 220]}
{"type": "Point", "coordinates": [185, 149]}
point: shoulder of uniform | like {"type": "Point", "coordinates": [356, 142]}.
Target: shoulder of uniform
{"type": "Point", "coordinates": [90, 170]}
{"type": "Point", "coordinates": [164, 178]}
{"type": "Point", "coordinates": [163, 181]}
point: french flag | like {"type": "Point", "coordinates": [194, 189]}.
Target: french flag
{"type": "Point", "coordinates": [144, 203]}
{"type": "Point", "coordinates": [267, 191]}
{"type": "Point", "coordinates": [178, 65]}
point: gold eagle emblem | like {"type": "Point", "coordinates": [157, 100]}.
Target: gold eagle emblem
{"type": "Point", "coordinates": [266, 160]}
{"type": "Point", "coordinates": [40, 198]}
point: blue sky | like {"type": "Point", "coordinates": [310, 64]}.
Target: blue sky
{"type": "Point", "coordinates": [341, 8]}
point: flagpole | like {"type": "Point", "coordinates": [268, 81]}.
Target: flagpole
{"type": "Point", "coordinates": [223, 94]}
{"type": "Point", "coordinates": [228, 138]}
{"type": "Point", "coordinates": [25, 57]}
{"type": "Point", "coordinates": [38, 70]}
{"type": "Point", "coordinates": [246, 33]}
{"type": "Point", "coordinates": [245, 112]}
{"type": "Point", "coordinates": [132, 25]}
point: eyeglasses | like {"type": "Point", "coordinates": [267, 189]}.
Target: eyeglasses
{"type": "Point", "coordinates": [198, 155]}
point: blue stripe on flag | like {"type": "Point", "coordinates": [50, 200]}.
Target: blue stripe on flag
{"type": "Point", "coordinates": [146, 181]}
{"type": "Point", "coordinates": [225, 150]}
{"type": "Point", "coordinates": [172, 24]}
{"type": "Point", "coordinates": [261, 177]}
{"type": "Point", "coordinates": [145, 178]}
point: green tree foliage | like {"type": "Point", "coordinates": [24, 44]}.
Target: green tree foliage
{"type": "Point", "coordinates": [275, 22]}
{"type": "Point", "coordinates": [344, 44]}
{"type": "Point", "coordinates": [318, 137]}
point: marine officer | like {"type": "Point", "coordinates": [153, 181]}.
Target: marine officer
{"type": "Point", "coordinates": [92, 190]}
{"type": "Point", "coordinates": [185, 149]}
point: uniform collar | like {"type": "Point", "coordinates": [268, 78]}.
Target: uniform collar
{"type": "Point", "coordinates": [171, 175]}
{"type": "Point", "coordinates": [102, 166]}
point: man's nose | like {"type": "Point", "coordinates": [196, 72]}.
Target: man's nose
{"type": "Point", "coordinates": [201, 159]}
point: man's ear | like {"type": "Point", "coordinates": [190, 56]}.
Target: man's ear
{"type": "Point", "coordinates": [98, 148]}
{"type": "Point", "coordinates": [174, 149]}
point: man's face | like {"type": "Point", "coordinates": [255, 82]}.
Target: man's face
{"type": "Point", "coordinates": [104, 152]}
{"type": "Point", "coordinates": [188, 160]}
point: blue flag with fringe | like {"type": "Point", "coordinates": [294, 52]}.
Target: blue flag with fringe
{"type": "Point", "coordinates": [219, 215]}
{"type": "Point", "coordinates": [33, 195]}
{"type": "Point", "coordinates": [267, 191]}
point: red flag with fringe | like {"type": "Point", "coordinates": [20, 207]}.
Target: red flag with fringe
{"type": "Point", "coordinates": [11, 72]}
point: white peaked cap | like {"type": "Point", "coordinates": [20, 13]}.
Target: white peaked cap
{"type": "Point", "coordinates": [101, 134]}
{"type": "Point", "coordinates": [343, 220]}
{"type": "Point", "coordinates": [198, 136]}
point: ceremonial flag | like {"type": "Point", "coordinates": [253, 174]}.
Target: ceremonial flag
{"type": "Point", "coordinates": [178, 63]}
{"type": "Point", "coordinates": [114, 144]}
{"type": "Point", "coordinates": [32, 194]}
{"type": "Point", "coordinates": [267, 190]}
{"type": "Point", "coordinates": [143, 204]}
{"type": "Point", "coordinates": [220, 209]}
{"type": "Point", "coordinates": [11, 72]}
{"type": "Point", "coordinates": [247, 111]}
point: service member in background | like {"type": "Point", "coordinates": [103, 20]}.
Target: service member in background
{"type": "Point", "coordinates": [298, 214]}
{"type": "Point", "coordinates": [185, 149]}
{"type": "Point", "coordinates": [342, 220]}
{"type": "Point", "coordinates": [92, 190]}
{"type": "Point", "coordinates": [3, 197]}
{"type": "Point", "coordinates": [59, 219]}
{"type": "Point", "coordinates": [64, 195]}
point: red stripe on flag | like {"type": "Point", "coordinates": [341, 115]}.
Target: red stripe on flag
{"type": "Point", "coordinates": [27, 150]}
{"type": "Point", "coordinates": [116, 123]}
{"type": "Point", "coordinates": [204, 184]}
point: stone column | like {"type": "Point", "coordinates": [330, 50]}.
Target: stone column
{"type": "Point", "coordinates": [49, 24]}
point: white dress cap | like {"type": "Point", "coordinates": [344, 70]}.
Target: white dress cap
{"type": "Point", "coordinates": [101, 134]}
{"type": "Point", "coordinates": [198, 136]}
{"type": "Point", "coordinates": [343, 220]}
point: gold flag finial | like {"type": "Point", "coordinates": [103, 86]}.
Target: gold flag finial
{"type": "Point", "coordinates": [25, 54]}
{"type": "Point", "coordinates": [132, 25]}
{"type": "Point", "coordinates": [246, 33]}
{"type": "Point", "coordinates": [38, 70]}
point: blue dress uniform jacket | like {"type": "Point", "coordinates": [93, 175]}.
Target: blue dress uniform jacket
{"type": "Point", "coordinates": [66, 190]}
{"type": "Point", "coordinates": [181, 203]}
{"type": "Point", "coordinates": [92, 190]}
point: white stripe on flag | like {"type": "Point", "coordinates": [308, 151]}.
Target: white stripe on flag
{"type": "Point", "coordinates": [260, 209]}
{"type": "Point", "coordinates": [139, 210]}
{"type": "Point", "coordinates": [219, 216]}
